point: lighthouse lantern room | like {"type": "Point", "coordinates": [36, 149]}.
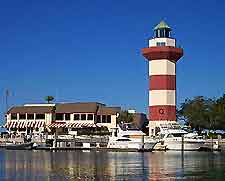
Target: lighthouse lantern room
{"type": "Point", "coordinates": [162, 55]}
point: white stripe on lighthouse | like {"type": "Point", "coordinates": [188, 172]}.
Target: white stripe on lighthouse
{"type": "Point", "coordinates": [168, 42]}
{"type": "Point", "coordinates": [162, 67]}
{"type": "Point", "coordinates": [162, 97]}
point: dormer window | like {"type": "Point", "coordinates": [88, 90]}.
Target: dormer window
{"type": "Point", "coordinates": [158, 44]}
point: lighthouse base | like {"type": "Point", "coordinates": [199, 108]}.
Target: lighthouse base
{"type": "Point", "coordinates": [156, 126]}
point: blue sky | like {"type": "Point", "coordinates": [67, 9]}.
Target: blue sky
{"type": "Point", "coordinates": [91, 50]}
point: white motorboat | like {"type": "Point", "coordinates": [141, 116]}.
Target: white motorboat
{"type": "Point", "coordinates": [124, 143]}
{"type": "Point", "coordinates": [126, 136]}
{"type": "Point", "coordinates": [171, 138]}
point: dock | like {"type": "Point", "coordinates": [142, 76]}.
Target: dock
{"type": "Point", "coordinates": [104, 149]}
{"type": "Point", "coordinates": [222, 145]}
{"type": "Point", "coordinates": [100, 144]}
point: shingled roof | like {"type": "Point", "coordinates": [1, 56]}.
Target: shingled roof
{"type": "Point", "coordinates": [86, 107]}
{"type": "Point", "coordinates": [79, 107]}
{"type": "Point", "coordinates": [109, 110]}
{"type": "Point", "coordinates": [31, 109]}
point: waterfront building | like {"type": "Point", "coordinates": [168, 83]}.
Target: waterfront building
{"type": "Point", "coordinates": [162, 55]}
{"type": "Point", "coordinates": [63, 118]}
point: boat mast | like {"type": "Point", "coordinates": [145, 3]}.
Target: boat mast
{"type": "Point", "coordinates": [6, 100]}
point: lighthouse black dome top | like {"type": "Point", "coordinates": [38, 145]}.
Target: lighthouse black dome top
{"type": "Point", "coordinates": [162, 30]}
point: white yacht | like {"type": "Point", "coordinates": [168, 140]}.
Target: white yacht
{"type": "Point", "coordinates": [128, 137]}
{"type": "Point", "coordinates": [171, 138]}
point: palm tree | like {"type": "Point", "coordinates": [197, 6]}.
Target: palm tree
{"type": "Point", "coordinates": [125, 117]}
{"type": "Point", "coordinates": [49, 99]}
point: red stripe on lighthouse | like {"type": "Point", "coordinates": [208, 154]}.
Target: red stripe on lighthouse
{"type": "Point", "coordinates": [162, 82]}
{"type": "Point", "coordinates": [162, 52]}
{"type": "Point", "coordinates": [164, 112]}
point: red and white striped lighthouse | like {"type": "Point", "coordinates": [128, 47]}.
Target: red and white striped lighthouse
{"type": "Point", "coordinates": [162, 55]}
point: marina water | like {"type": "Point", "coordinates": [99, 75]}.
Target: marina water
{"type": "Point", "coordinates": [80, 165]}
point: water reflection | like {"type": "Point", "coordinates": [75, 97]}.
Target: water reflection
{"type": "Point", "coordinates": [78, 165]}
{"type": "Point", "coordinates": [187, 165]}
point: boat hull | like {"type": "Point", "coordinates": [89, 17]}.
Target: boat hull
{"type": "Point", "coordinates": [133, 144]}
{"type": "Point", "coordinates": [124, 145]}
{"type": "Point", "coordinates": [149, 145]}
{"type": "Point", "coordinates": [177, 145]}
{"type": "Point", "coordinates": [24, 146]}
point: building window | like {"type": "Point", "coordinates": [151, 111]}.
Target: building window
{"type": "Point", "coordinates": [40, 116]}
{"type": "Point", "coordinates": [22, 116]}
{"type": "Point", "coordinates": [22, 129]}
{"type": "Point", "coordinates": [108, 118]}
{"type": "Point", "coordinates": [76, 117]}
{"type": "Point", "coordinates": [67, 116]}
{"type": "Point", "coordinates": [83, 117]}
{"type": "Point", "coordinates": [30, 116]}
{"type": "Point", "coordinates": [59, 117]}
{"type": "Point", "coordinates": [160, 44]}
{"type": "Point", "coordinates": [98, 119]}
{"type": "Point", "coordinates": [103, 118]}
{"type": "Point", "coordinates": [14, 116]}
{"type": "Point", "coordinates": [90, 117]}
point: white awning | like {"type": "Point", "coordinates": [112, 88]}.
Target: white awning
{"type": "Point", "coordinates": [71, 125]}
{"type": "Point", "coordinates": [25, 124]}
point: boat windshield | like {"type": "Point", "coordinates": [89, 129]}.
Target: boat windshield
{"type": "Point", "coordinates": [126, 136]}
{"type": "Point", "coordinates": [170, 126]}
{"type": "Point", "coordinates": [176, 135]}
{"type": "Point", "coordinates": [128, 126]}
{"type": "Point", "coordinates": [123, 140]}
{"type": "Point", "coordinates": [161, 136]}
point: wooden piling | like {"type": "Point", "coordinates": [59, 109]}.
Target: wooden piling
{"type": "Point", "coordinates": [143, 141]}
{"type": "Point", "coordinates": [211, 143]}
{"type": "Point", "coordinates": [219, 141]}
{"type": "Point", "coordinates": [182, 143]}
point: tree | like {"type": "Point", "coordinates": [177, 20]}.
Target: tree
{"type": "Point", "coordinates": [49, 99]}
{"type": "Point", "coordinates": [219, 111]}
{"type": "Point", "coordinates": [194, 112]}
{"type": "Point", "coordinates": [125, 117]}
{"type": "Point", "coordinates": [203, 113]}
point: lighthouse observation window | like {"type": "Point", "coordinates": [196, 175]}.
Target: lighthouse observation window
{"type": "Point", "coordinates": [159, 44]}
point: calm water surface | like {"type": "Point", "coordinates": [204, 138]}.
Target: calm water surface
{"type": "Point", "coordinates": [78, 165]}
